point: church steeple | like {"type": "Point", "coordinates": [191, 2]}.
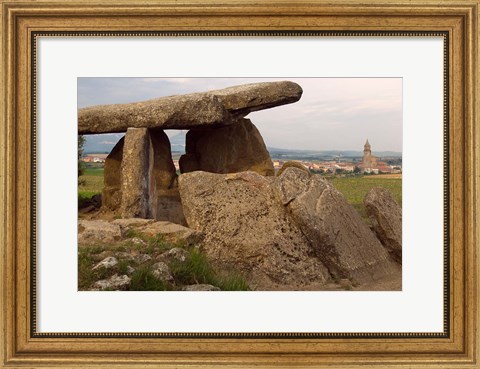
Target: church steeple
{"type": "Point", "coordinates": [369, 161]}
{"type": "Point", "coordinates": [367, 146]}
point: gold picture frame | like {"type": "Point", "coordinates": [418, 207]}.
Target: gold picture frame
{"type": "Point", "coordinates": [22, 21]}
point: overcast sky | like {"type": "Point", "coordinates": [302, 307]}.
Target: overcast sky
{"type": "Point", "coordinates": [333, 113]}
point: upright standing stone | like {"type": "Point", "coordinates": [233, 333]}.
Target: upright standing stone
{"type": "Point", "coordinates": [235, 148]}
{"type": "Point", "coordinates": [140, 178]}
{"type": "Point", "coordinates": [135, 174]}
{"type": "Point", "coordinates": [112, 179]}
{"type": "Point", "coordinates": [386, 217]}
{"type": "Point", "coordinates": [164, 198]}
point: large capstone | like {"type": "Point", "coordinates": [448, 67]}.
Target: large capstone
{"type": "Point", "coordinates": [198, 110]}
{"type": "Point", "coordinates": [235, 148]}
{"type": "Point", "coordinates": [247, 229]}
{"type": "Point", "coordinates": [386, 217]}
{"type": "Point", "coordinates": [338, 236]}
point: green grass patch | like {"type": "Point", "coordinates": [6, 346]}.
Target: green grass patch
{"type": "Point", "coordinates": [355, 189]}
{"type": "Point", "coordinates": [153, 243]}
{"type": "Point", "coordinates": [87, 276]}
{"type": "Point", "coordinates": [197, 270]}
{"type": "Point", "coordinates": [91, 181]}
{"type": "Point", "coordinates": [93, 172]}
{"type": "Point", "coordinates": [144, 280]}
{"type": "Point", "coordinates": [194, 270]}
{"type": "Point", "coordinates": [232, 282]}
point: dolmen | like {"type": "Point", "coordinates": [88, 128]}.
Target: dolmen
{"type": "Point", "coordinates": [140, 178]}
{"type": "Point", "coordinates": [290, 231]}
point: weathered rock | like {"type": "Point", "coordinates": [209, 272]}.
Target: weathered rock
{"type": "Point", "coordinates": [337, 233]}
{"type": "Point", "coordinates": [125, 255]}
{"type": "Point", "coordinates": [231, 149]}
{"type": "Point", "coordinates": [243, 99]}
{"type": "Point", "coordinates": [181, 111]}
{"type": "Point", "coordinates": [142, 258]}
{"type": "Point", "coordinates": [177, 254]}
{"type": "Point", "coordinates": [106, 263]}
{"type": "Point", "coordinates": [200, 287]}
{"type": "Point", "coordinates": [137, 241]}
{"type": "Point", "coordinates": [112, 177]}
{"type": "Point", "coordinates": [292, 164]}
{"type": "Point", "coordinates": [91, 204]}
{"type": "Point", "coordinates": [128, 223]}
{"type": "Point", "coordinates": [386, 217]}
{"type": "Point", "coordinates": [86, 209]}
{"type": "Point", "coordinates": [135, 171]}
{"type": "Point", "coordinates": [115, 282]}
{"type": "Point", "coordinates": [346, 283]}
{"type": "Point", "coordinates": [102, 255]}
{"type": "Point", "coordinates": [172, 232]}
{"type": "Point", "coordinates": [148, 185]}
{"type": "Point", "coordinates": [91, 231]}
{"type": "Point", "coordinates": [162, 272]}
{"type": "Point", "coordinates": [247, 229]}
{"type": "Point", "coordinates": [164, 198]}
{"type": "Point", "coordinates": [206, 109]}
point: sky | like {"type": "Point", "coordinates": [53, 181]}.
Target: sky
{"type": "Point", "coordinates": [333, 113]}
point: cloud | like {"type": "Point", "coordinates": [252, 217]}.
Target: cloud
{"type": "Point", "coordinates": [107, 143]}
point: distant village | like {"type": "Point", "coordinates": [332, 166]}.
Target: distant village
{"type": "Point", "coordinates": [368, 164]}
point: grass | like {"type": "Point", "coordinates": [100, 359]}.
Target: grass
{"type": "Point", "coordinates": [93, 172]}
{"type": "Point", "coordinates": [355, 189]}
{"type": "Point", "coordinates": [144, 280]}
{"type": "Point", "coordinates": [87, 276]}
{"type": "Point", "coordinates": [195, 270]}
{"type": "Point", "coordinates": [91, 184]}
{"type": "Point", "coordinates": [92, 180]}
{"type": "Point", "coordinates": [198, 270]}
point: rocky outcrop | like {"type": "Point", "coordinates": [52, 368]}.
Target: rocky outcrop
{"type": "Point", "coordinates": [282, 230]}
{"type": "Point", "coordinates": [235, 148]}
{"type": "Point", "coordinates": [128, 223]}
{"type": "Point", "coordinates": [336, 232]}
{"type": "Point", "coordinates": [199, 110]}
{"type": "Point", "coordinates": [292, 164]}
{"type": "Point", "coordinates": [386, 217]}
{"type": "Point", "coordinates": [162, 272]}
{"type": "Point", "coordinates": [115, 282]}
{"type": "Point", "coordinates": [177, 254]}
{"type": "Point", "coordinates": [246, 229]}
{"type": "Point", "coordinates": [106, 263]}
{"type": "Point", "coordinates": [172, 232]}
{"type": "Point", "coordinates": [92, 231]}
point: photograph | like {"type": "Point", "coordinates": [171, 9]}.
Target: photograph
{"type": "Point", "coordinates": [224, 184]}
{"type": "Point", "coordinates": [240, 184]}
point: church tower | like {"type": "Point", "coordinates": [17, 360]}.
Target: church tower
{"type": "Point", "coordinates": [367, 155]}
{"type": "Point", "coordinates": [368, 161]}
